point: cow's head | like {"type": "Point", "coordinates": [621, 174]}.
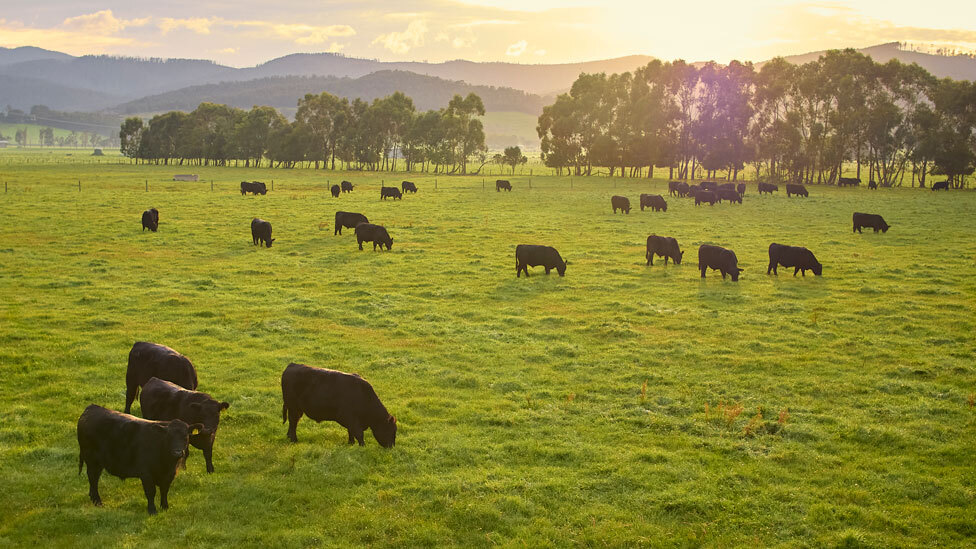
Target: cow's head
{"type": "Point", "coordinates": [561, 267]}
{"type": "Point", "coordinates": [735, 273]}
{"type": "Point", "coordinates": [817, 268]}
{"type": "Point", "coordinates": [270, 241]}
{"type": "Point", "coordinates": [385, 432]}
{"type": "Point", "coordinates": [177, 434]}
{"type": "Point", "coordinates": [677, 258]}
{"type": "Point", "coordinates": [885, 227]}
{"type": "Point", "coordinates": [207, 413]}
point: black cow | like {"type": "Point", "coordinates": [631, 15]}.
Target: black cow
{"type": "Point", "coordinates": [714, 257]}
{"type": "Point", "coordinates": [874, 221]}
{"type": "Point", "coordinates": [348, 220]}
{"type": "Point", "coordinates": [148, 360]}
{"type": "Point", "coordinates": [708, 185]}
{"type": "Point", "coordinates": [801, 259]}
{"type": "Point", "coordinates": [674, 187]}
{"type": "Point", "coordinates": [872, 185]}
{"type": "Point", "coordinates": [531, 255]}
{"type": "Point", "coordinates": [705, 196]}
{"type": "Point", "coordinates": [408, 186]}
{"type": "Point", "coordinates": [655, 202]}
{"type": "Point", "coordinates": [683, 189]}
{"type": "Point", "coordinates": [729, 194]}
{"type": "Point", "coordinates": [330, 395]}
{"type": "Point", "coordinates": [261, 232]}
{"type": "Point", "coordinates": [768, 188]}
{"type": "Point", "coordinates": [164, 401]}
{"type": "Point", "coordinates": [346, 187]}
{"type": "Point", "coordinates": [663, 246]}
{"type": "Point", "coordinates": [367, 232]}
{"type": "Point", "coordinates": [726, 187]}
{"type": "Point", "coordinates": [693, 191]}
{"type": "Point", "coordinates": [798, 190]}
{"type": "Point", "coordinates": [131, 447]}
{"type": "Point", "coordinates": [150, 220]}
{"type": "Point", "coordinates": [390, 192]}
{"type": "Point", "coordinates": [335, 191]}
{"type": "Point", "coordinates": [255, 187]}
{"type": "Point", "coordinates": [941, 186]}
{"type": "Point", "coordinates": [848, 181]}
{"type": "Point", "coordinates": [741, 189]}
{"type": "Point", "coordinates": [621, 203]}
{"type": "Point", "coordinates": [502, 184]}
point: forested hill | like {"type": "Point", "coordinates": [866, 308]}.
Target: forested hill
{"type": "Point", "coordinates": [284, 92]}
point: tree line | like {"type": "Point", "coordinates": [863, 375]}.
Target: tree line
{"type": "Point", "coordinates": [800, 123]}
{"type": "Point", "coordinates": [327, 132]}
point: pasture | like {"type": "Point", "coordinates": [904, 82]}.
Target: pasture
{"type": "Point", "coordinates": [619, 405]}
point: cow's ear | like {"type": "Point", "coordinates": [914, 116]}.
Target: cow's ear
{"type": "Point", "coordinates": [273, 239]}
{"type": "Point", "coordinates": [196, 428]}
{"type": "Point", "coordinates": [224, 405]}
{"type": "Point", "coordinates": [392, 420]}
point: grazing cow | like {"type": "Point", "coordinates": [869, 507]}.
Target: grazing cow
{"type": "Point", "coordinates": [726, 187]}
{"type": "Point", "coordinates": [330, 395]}
{"type": "Point", "coordinates": [164, 401]}
{"type": "Point", "coordinates": [335, 191]}
{"type": "Point", "coordinates": [705, 196]}
{"type": "Point", "coordinates": [391, 192]}
{"type": "Point", "coordinates": [261, 232]}
{"type": "Point", "coordinates": [531, 255]}
{"type": "Point", "coordinates": [729, 194]}
{"type": "Point", "coordinates": [848, 181]}
{"type": "Point", "coordinates": [673, 187]}
{"type": "Point", "coordinates": [693, 191]}
{"type": "Point", "coordinates": [346, 186]}
{"type": "Point", "coordinates": [255, 187]}
{"type": "Point", "coordinates": [714, 257]}
{"type": "Point", "coordinates": [768, 188]}
{"type": "Point", "coordinates": [150, 220]}
{"type": "Point", "coordinates": [348, 220]}
{"type": "Point", "coordinates": [941, 186]}
{"type": "Point", "coordinates": [663, 246]}
{"type": "Point", "coordinates": [408, 186]}
{"type": "Point", "coordinates": [873, 185]}
{"type": "Point", "coordinates": [367, 232]}
{"type": "Point", "coordinates": [741, 189]}
{"type": "Point", "coordinates": [874, 221]}
{"type": "Point", "coordinates": [801, 259]}
{"type": "Point", "coordinates": [683, 189]}
{"type": "Point", "coordinates": [148, 360]}
{"type": "Point", "coordinates": [708, 186]}
{"type": "Point", "coordinates": [798, 190]}
{"type": "Point", "coordinates": [502, 184]}
{"type": "Point", "coordinates": [655, 202]}
{"type": "Point", "coordinates": [621, 203]}
{"type": "Point", "coordinates": [131, 447]}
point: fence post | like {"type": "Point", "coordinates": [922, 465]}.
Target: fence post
{"type": "Point", "coordinates": [435, 183]}
{"type": "Point", "coordinates": [211, 185]}
{"type": "Point", "coordinates": [482, 183]}
{"type": "Point", "coordinates": [4, 186]}
{"type": "Point", "coordinates": [79, 185]}
{"type": "Point", "coordinates": [272, 184]}
{"type": "Point", "coordinates": [147, 185]}
{"type": "Point", "coordinates": [530, 183]}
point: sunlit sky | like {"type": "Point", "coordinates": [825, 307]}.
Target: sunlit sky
{"type": "Point", "coordinates": [247, 32]}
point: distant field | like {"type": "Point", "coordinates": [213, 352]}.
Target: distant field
{"type": "Point", "coordinates": [621, 405]}
{"type": "Point", "coordinates": [33, 132]}
{"type": "Point", "coordinates": [505, 129]}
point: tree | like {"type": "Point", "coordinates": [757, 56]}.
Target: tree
{"type": "Point", "coordinates": [513, 157]}
{"type": "Point", "coordinates": [20, 137]}
{"type": "Point", "coordinates": [47, 137]}
{"type": "Point", "coordinates": [130, 137]}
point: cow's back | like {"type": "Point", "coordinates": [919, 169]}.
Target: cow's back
{"type": "Point", "coordinates": [148, 360]}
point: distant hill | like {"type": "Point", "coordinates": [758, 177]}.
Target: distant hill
{"type": "Point", "coordinates": [957, 67]}
{"type": "Point", "coordinates": [9, 56]}
{"type": "Point", "coordinates": [23, 93]}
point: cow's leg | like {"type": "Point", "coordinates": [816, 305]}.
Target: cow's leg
{"type": "Point", "coordinates": [163, 493]}
{"type": "Point", "coordinates": [666, 260]}
{"type": "Point", "coordinates": [374, 245]}
{"type": "Point", "coordinates": [131, 389]}
{"type": "Point", "coordinates": [94, 472]}
{"type": "Point", "coordinates": [150, 489]}
{"type": "Point", "coordinates": [208, 456]}
{"type": "Point", "coordinates": [796, 270]}
{"type": "Point", "coordinates": [650, 258]}
{"type": "Point", "coordinates": [548, 269]}
{"type": "Point", "coordinates": [293, 417]}
{"type": "Point", "coordinates": [352, 437]}
{"type": "Point", "coordinates": [360, 244]}
{"type": "Point", "coordinates": [703, 271]}
{"type": "Point", "coordinates": [358, 434]}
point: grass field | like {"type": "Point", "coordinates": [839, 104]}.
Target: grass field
{"type": "Point", "coordinates": [621, 405]}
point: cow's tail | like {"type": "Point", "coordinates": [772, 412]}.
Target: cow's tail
{"type": "Point", "coordinates": [81, 462]}
{"type": "Point", "coordinates": [284, 413]}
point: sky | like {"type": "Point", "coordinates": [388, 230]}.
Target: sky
{"type": "Point", "coordinates": [244, 33]}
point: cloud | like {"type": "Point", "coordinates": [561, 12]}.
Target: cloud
{"type": "Point", "coordinates": [309, 34]}
{"type": "Point", "coordinates": [101, 22]}
{"type": "Point", "coordinates": [14, 34]}
{"type": "Point", "coordinates": [227, 50]}
{"type": "Point", "coordinates": [483, 23]}
{"type": "Point", "coordinates": [517, 48]}
{"type": "Point", "coordinates": [199, 25]}
{"type": "Point", "coordinates": [540, 52]}
{"type": "Point", "coordinates": [403, 42]}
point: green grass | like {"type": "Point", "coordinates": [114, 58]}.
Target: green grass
{"type": "Point", "coordinates": [9, 131]}
{"type": "Point", "coordinates": [522, 420]}
{"type": "Point", "coordinates": [504, 129]}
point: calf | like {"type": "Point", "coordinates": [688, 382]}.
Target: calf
{"type": "Point", "coordinates": [502, 184]}
{"type": "Point", "coordinates": [330, 395]}
{"type": "Point", "coordinates": [874, 221]}
{"type": "Point", "coordinates": [531, 255]}
{"type": "Point", "coordinates": [705, 196]}
{"type": "Point", "coordinates": [165, 401]}
{"type": "Point", "coordinates": [848, 181]}
{"type": "Point", "coordinates": [390, 192]}
{"type": "Point", "coordinates": [663, 246]}
{"type": "Point", "coordinates": [798, 190]}
{"type": "Point", "coordinates": [367, 232]}
{"type": "Point", "coordinates": [346, 186]}
{"type": "Point", "coordinates": [130, 447]}
{"type": "Point", "coordinates": [741, 189]}
{"type": "Point", "coordinates": [621, 203]}
{"type": "Point", "coordinates": [729, 194]}
{"type": "Point", "coordinates": [714, 257]}
{"type": "Point", "coordinates": [941, 186]}
{"type": "Point", "coordinates": [767, 188]}
{"type": "Point", "coordinates": [261, 232]}
{"type": "Point", "coordinates": [255, 187]}
{"type": "Point", "coordinates": [148, 360]}
{"type": "Point", "coordinates": [655, 202]}
{"type": "Point", "coordinates": [801, 259]}
{"type": "Point", "coordinates": [335, 191]}
{"type": "Point", "coordinates": [872, 185]}
{"type": "Point", "coordinates": [150, 220]}
{"type": "Point", "coordinates": [348, 220]}
{"type": "Point", "coordinates": [408, 186]}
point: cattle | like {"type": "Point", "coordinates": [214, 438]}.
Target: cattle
{"type": "Point", "coordinates": [255, 187]}
{"type": "Point", "coordinates": [330, 395]}
{"type": "Point", "coordinates": [390, 192]}
{"type": "Point", "coordinates": [502, 184]}
{"type": "Point", "coordinates": [148, 360]}
{"type": "Point", "coordinates": [705, 196]}
{"type": "Point", "coordinates": [848, 181]}
{"type": "Point", "coordinates": [940, 186]}
{"type": "Point", "coordinates": [655, 202]}
{"type": "Point", "coordinates": [663, 246]}
{"type": "Point", "coordinates": [768, 188]}
{"type": "Point", "coordinates": [367, 232]}
{"type": "Point", "coordinates": [683, 189]}
{"type": "Point", "coordinates": [335, 191]}
{"type": "Point", "coordinates": [872, 185]}
{"type": "Point", "coordinates": [798, 190]}
{"type": "Point", "coordinates": [408, 186]}
{"type": "Point", "coordinates": [261, 232]}
{"type": "Point", "coordinates": [621, 203]}
{"type": "Point", "coordinates": [801, 259]}
{"type": "Point", "coordinates": [741, 189]}
{"type": "Point", "coordinates": [708, 185]}
{"type": "Point", "coordinates": [131, 447]}
{"type": "Point", "coordinates": [726, 187]}
{"type": "Point", "coordinates": [531, 255]}
{"type": "Point", "coordinates": [721, 259]}
{"type": "Point", "coordinates": [346, 186]}
{"type": "Point", "coordinates": [348, 220]}
{"type": "Point", "coordinates": [165, 401]}
{"type": "Point", "coordinates": [692, 191]}
{"type": "Point", "coordinates": [150, 220]}
{"type": "Point", "coordinates": [729, 194]}
{"type": "Point", "coordinates": [673, 187]}
{"type": "Point", "coordinates": [874, 221]}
